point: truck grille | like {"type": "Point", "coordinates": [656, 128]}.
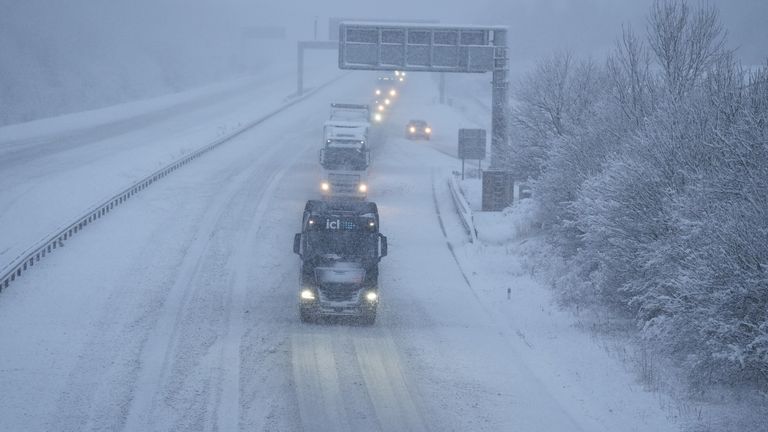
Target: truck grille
{"type": "Point", "coordinates": [344, 183]}
{"type": "Point", "coordinates": [339, 293]}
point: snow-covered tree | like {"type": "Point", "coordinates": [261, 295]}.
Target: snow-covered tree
{"type": "Point", "coordinates": [652, 174]}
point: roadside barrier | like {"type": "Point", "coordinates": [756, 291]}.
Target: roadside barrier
{"type": "Point", "coordinates": [462, 208]}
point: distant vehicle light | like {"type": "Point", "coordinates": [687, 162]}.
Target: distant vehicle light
{"type": "Point", "coordinates": [325, 186]}
{"type": "Point", "coordinates": [402, 79]}
{"type": "Point", "coordinates": [412, 129]}
{"type": "Point", "coordinates": [378, 92]}
{"type": "Point", "coordinates": [371, 296]}
{"type": "Point", "coordinates": [393, 92]}
{"type": "Point", "coordinates": [377, 117]}
{"type": "Point", "coordinates": [381, 107]}
{"type": "Point", "coordinates": [363, 187]}
{"type": "Point", "coordinates": [397, 73]}
{"type": "Point", "coordinates": [307, 294]}
{"type": "Point", "coordinates": [428, 130]}
{"type": "Point", "coordinates": [387, 101]}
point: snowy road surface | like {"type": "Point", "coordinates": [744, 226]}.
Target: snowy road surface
{"type": "Point", "coordinates": [179, 311]}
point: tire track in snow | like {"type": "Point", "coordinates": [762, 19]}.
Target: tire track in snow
{"type": "Point", "coordinates": [394, 406]}
{"type": "Point", "coordinates": [321, 406]}
{"type": "Point", "coordinates": [161, 345]}
{"type": "Point", "coordinates": [228, 412]}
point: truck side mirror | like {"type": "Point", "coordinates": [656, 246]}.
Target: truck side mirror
{"type": "Point", "coordinates": [383, 245]}
{"type": "Point", "coordinates": [297, 244]}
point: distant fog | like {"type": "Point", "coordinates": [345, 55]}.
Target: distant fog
{"type": "Point", "coordinates": [61, 56]}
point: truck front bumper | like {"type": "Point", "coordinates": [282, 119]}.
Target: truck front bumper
{"type": "Point", "coordinates": [331, 309]}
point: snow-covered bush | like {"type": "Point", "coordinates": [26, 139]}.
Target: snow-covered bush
{"type": "Point", "coordinates": [651, 174]}
{"type": "Point", "coordinates": [524, 217]}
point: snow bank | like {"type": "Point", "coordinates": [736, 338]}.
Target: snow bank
{"type": "Point", "coordinates": [514, 223]}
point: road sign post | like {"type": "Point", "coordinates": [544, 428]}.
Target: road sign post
{"type": "Point", "coordinates": [441, 88]}
{"type": "Point", "coordinates": [500, 103]}
{"type": "Point", "coordinates": [300, 48]}
{"type": "Point", "coordinates": [472, 144]}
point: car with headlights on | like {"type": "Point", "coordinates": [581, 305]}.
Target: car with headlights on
{"type": "Point", "coordinates": [418, 129]}
{"type": "Point", "coordinates": [386, 87]}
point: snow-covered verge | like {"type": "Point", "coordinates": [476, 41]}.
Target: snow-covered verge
{"type": "Point", "coordinates": [652, 183]}
{"type": "Point", "coordinates": [498, 228]}
{"type": "Point", "coordinates": [514, 248]}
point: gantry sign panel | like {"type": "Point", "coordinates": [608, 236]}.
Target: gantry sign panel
{"type": "Point", "coordinates": [429, 48]}
{"type": "Point", "coordinates": [333, 23]}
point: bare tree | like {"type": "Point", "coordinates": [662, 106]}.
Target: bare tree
{"type": "Point", "coordinates": [543, 96]}
{"type": "Point", "coordinates": [685, 42]}
{"type": "Point", "coordinates": [629, 72]}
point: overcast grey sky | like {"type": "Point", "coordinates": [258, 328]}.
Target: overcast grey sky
{"type": "Point", "coordinates": [57, 56]}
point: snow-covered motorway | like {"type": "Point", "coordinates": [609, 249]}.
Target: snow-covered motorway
{"type": "Point", "coordinates": [179, 311]}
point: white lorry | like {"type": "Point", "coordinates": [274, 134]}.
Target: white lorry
{"type": "Point", "coordinates": [359, 113]}
{"type": "Point", "coordinates": [345, 155]}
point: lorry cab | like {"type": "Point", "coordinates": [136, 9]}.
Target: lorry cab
{"type": "Point", "coordinates": [344, 159]}
{"type": "Point", "coordinates": [340, 247]}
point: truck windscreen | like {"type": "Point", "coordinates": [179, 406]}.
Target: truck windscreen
{"type": "Point", "coordinates": [344, 244]}
{"type": "Point", "coordinates": [346, 237]}
{"type": "Point", "coordinates": [350, 115]}
{"type": "Point", "coordinates": [345, 159]}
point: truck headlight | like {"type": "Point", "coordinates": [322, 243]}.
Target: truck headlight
{"type": "Point", "coordinates": [377, 117]}
{"type": "Point", "coordinates": [325, 187]}
{"type": "Point", "coordinates": [362, 187]}
{"type": "Point", "coordinates": [307, 294]}
{"type": "Point", "coordinates": [412, 129]}
{"type": "Point", "coordinates": [371, 296]}
{"type": "Point", "coordinates": [428, 130]}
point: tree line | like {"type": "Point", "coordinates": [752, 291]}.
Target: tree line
{"type": "Point", "coordinates": [650, 176]}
